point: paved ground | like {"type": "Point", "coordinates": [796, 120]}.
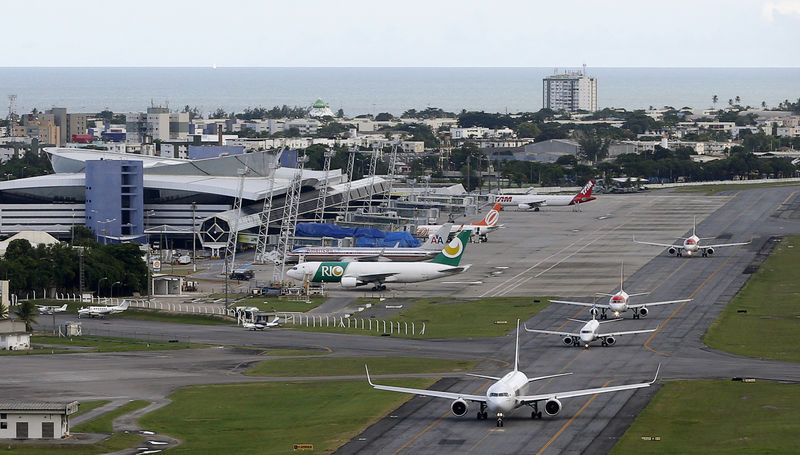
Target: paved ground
{"type": "Point", "coordinates": [555, 252]}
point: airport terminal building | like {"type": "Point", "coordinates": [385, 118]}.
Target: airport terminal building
{"type": "Point", "coordinates": [127, 197]}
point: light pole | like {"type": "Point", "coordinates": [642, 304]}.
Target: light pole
{"type": "Point", "coordinates": [98, 286]}
{"type": "Point", "coordinates": [112, 289]}
{"type": "Point", "coordinates": [194, 237]}
{"type": "Point", "coordinates": [72, 229]}
{"type": "Point", "coordinates": [147, 225]}
{"type": "Point", "coordinates": [108, 220]}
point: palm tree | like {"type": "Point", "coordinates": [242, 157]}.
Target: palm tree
{"type": "Point", "coordinates": [730, 101]}
{"type": "Point", "coordinates": [3, 311]}
{"type": "Point", "coordinates": [25, 312]}
{"type": "Point", "coordinates": [763, 104]}
{"type": "Point", "coordinates": [714, 100]}
{"type": "Point", "coordinates": [738, 99]}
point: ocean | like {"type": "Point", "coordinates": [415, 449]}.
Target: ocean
{"type": "Point", "coordinates": [374, 90]}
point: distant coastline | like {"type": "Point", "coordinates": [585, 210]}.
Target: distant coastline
{"type": "Point", "coordinates": [371, 90]}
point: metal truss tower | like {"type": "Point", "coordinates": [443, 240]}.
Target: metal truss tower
{"type": "Point", "coordinates": [392, 165]}
{"type": "Point", "coordinates": [373, 164]}
{"type": "Point", "coordinates": [266, 211]}
{"type": "Point", "coordinates": [323, 192]}
{"type": "Point", "coordinates": [233, 229]}
{"type": "Point", "coordinates": [291, 208]}
{"type": "Point", "coordinates": [350, 168]}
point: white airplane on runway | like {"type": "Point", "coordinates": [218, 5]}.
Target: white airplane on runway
{"type": "Point", "coordinates": [352, 274]}
{"type": "Point", "coordinates": [44, 309]}
{"type": "Point", "coordinates": [261, 325]}
{"type": "Point", "coordinates": [535, 201]}
{"type": "Point", "coordinates": [510, 392]}
{"type": "Point", "coordinates": [691, 245]}
{"type": "Point", "coordinates": [619, 303]}
{"type": "Point", "coordinates": [428, 250]}
{"type": "Point", "coordinates": [100, 311]}
{"type": "Point", "coordinates": [590, 332]}
{"type": "Point", "coordinates": [481, 229]}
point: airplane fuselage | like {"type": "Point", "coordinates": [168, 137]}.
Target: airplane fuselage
{"type": "Point", "coordinates": [349, 273]}
{"type": "Point", "coordinates": [589, 332]}
{"type": "Point", "coordinates": [501, 396]}
{"type": "Point", "coordinates": [337, 254]}
{"type": "Point", "coordinates": [618, 303]}
{"type": "Point", "coordinates": [691, 245]}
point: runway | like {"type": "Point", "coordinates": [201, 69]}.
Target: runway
{"type": "Point", "coordinates": [552, 252]}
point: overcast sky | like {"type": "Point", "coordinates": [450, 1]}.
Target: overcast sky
{"type": "Point", "coordinates": [555, 33]}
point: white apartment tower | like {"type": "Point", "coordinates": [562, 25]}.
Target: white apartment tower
{"type": "Point", "coordinates": [570, 91]}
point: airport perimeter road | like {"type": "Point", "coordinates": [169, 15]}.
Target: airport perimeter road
{"type": "Point", "coordinates": [592, 424]}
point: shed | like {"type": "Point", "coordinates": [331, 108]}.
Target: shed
{"type": "Point", "coordinates": [13, 336]}
{"type": "Point", "coordinates": [35, 419]}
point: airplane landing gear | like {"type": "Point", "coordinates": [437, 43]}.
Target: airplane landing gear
{"type": "Point", "coordinates": [499, 419]}
{"type": "Point", "coordinates": [482, 414]}
{"type": "Point", "coordinates": [536, 414]}
{"type": "Point", "coordinates": [603, 314]}
{"type": "Point", "coordinates": [635, 314]}
{"type": "Point", "coordinates": [379, 287]}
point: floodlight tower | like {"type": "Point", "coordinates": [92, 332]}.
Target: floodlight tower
{"type": "Point", "coordinates": [233, 229]}
{"type": "Point", "coordinates": [323, 192]}
{"type": "Point", "coordinates": [291, 208]}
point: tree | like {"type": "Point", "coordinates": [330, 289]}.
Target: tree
{"type": "Point", "coordinates": [738, 100]}
{"type": "Point", "coordinates": [340, 113]}
{"type": "Point", "coordinates": [26, 313]}
{"type": "Point", "coordinates": [715, 99]}
{"type": "Point", "coordinates": [219, 113]}
{"type": "Point", "coordinates": [763, 105]}
{"type": "Point", "coordinates": [384, 117]}
{"type": "Point", "coordinates": [528, 129]}
{"type": "Point", "coordinates": [593, 147]}
{"type": "Point", "coordinates": [3, 311]}
{"type": "Point", "coordinates": [194, 112]}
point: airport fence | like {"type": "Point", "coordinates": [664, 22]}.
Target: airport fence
{"type": "Point", "coordinates": [346, 322]}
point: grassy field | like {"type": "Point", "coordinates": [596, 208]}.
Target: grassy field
{"type": "Point", "coordinates": [449, 318]}
{"type": "Point", "coordinates": [771, 298]}
{"type": "Point", "coordinates": [270, 303]}
{"type": "Point", "coordinates": [116, 442]}
{"type": "Point", "coordinates": [109, 344]}
{"type": "Point", "coordinates": [161, 316]}
{"type": "Point", "coordinates": [717, 417]}
{"type": "Point", "coordinates": [102, 423]}
{"type": "Point", "coordinates": [354, 366]}
{"type": "Point", "coordinates": [86, 406]}
{"type": "Point", "coordinates": [711, 190]}
{"type": "Point", "coordinates": [269, 418]}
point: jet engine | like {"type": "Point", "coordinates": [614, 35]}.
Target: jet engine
{"type": "Point", "coordinates": [568, 340]}
{"type": "Point", "coordinates": [610, 341]}
{"type": "Point", "coordinates": [643, 311]}
{"type": "Point", "coordinates": [524, 207]}
{"type": "Point", "coordinates": [459, 407]}
{"type": "Point", "coordinates": [671, 251]}
{"type": "Point", "coordinates": [349, 282]}
{"type": "Point", "coordinates": [709, 251]}
{"type": "Point", "coordinates": [552, 406]}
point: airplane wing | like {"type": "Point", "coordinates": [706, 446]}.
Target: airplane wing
{"type": "Point", "coordinates": [552, 332]}
{"type": "Point", "coordinates": [584, 392]}
{"type": "Point", "coordinates": [598, 305]}
{"type": "Point", "coordinates": [483, 376]}
{"type": "Point", "coordinates": [426, 392]}
{"type": "Point", "coordinates": [629, 332]}
{"type": "Point", "coordinates": [723, 244]}
{"type": "Point", "coordinates": [665, 245]}
{"type": "Point", "coordinates": [374, 277]}
{"type": "Point", "coordinates": [665, 302]}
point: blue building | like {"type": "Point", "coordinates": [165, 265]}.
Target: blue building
{"type": "Point", "coordinates": [115, 199]}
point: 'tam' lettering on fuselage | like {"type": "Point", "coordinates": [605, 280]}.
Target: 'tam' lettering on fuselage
{"type": "Point", "coordinates": [330, 272]}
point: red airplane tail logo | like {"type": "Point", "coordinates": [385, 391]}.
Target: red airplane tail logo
{"type": "Point", "coordinates": [491, 218]}
{"type": "Point", "coordinates": [585, 194]}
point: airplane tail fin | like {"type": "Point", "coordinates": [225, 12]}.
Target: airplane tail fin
{"type": "Point", "coordinates": [585, 194]}
{"type": "Point", "coordinates": [516, 350]}
{"type": "Point", "coordinates": [63, 307]}
{"type": "Point", "coordinates": [124, 305]}
{"type": "Point", "coordinates": [435, 240]}
{"type": "Point", "coordinates": [621, 274]}
{"type": "Point", "coordinates": [451, 254]}
{"type": "Point", "coordinates": [492, 217]}
{"type": "Point", "coordinates": [694, 226]}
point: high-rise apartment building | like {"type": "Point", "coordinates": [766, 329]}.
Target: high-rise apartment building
{"type": "Point", "coordinates": [157, 124]}
{"type": "Point", "coordinates": [571, 92]}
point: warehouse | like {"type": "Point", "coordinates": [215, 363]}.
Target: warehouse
{"type": "Point", "coordinates": [35, 419]}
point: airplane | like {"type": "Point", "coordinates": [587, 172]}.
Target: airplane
{"type": "Point", "coordinates": [691, 245]}
{"type": "Point", "coordinates": [427, 251]}
{"type": "Point", "coordinates": [589, 332]}
{"type": "Point", "coordinates": [510, 392]}
{"type": "Point", "coordinates": [536, 201]}
{"type": "Point", "coordinates": [352, 274]}
{"type": "Point", "coordinates": [618, 303]}
{"type": "Point", "coordinates": [100, 311]}
{"type": "Point", "coordinates": [262, 325]}
{"type": "Point", "coordinates": [480, 228]}
{"type": "Point", "coordinates": [44, 309]}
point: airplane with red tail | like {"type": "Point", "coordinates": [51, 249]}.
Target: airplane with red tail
{"type": "Point", "coordinates": [479, 229]}
{"type": "Point", "coordinates": [536, 201]}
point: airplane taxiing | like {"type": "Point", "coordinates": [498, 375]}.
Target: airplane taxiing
{"type": "Point", "coordinates": [262, 325]}
{"type": "Point", "coordinates": [619, 303]}
{"type": "Point", "coordinates": [100, 311]}
{"type": "Point", "coordinates": [590, 332]}
{"type": "Point", "coordinates": [691, 245]}
{"type": "Point", "coordinates": [536, 201]}
{"type": "Point", "coordinates": [44, 309]}
{"type": "Point", "coordinates": [510, 392]}
{"type": "Point", "coordinates": [352, 274]}
{"type": "Point", "coordinates": [481, 228]}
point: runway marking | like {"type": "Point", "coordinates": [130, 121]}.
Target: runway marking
{"type": "Point", "coordinates": [783, 203]}
{"type": "Point", "coordinates": [555, 436]}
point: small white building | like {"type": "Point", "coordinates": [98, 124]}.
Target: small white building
{"type": "Point", "coordinates": [35, 419]}
{"type": "Point", "coordinates": [13, 336]}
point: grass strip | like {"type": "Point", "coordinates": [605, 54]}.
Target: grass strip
{"type": "Point", "coordinates": [116, 442]}
{"type": "Point", "coordinates": [354, 366]}
{"type": "Point", "coordinates": [763, 319]}
{"type": "Point", "coordinates": [86, 406]}
{"type": "Point", "coordinates": [716, 417]}
{"type": "Point", "coordinates": [110, 344]}
{"type": "Point", "coordinates": [103, 422]}
{"type": "Point", "coordinates": [450, 318]}
{"type": "Point", "coordinates": [269, 418]}
{"type": "Point", "coordinates": [712, 190]}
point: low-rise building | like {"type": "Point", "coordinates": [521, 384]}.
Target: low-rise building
{"type": "Point", "coordinates": [13, 336]}
{"type": "Point", "coordinates": [35, 419]}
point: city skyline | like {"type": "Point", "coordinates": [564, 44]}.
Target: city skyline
{"type": "Point", "coordinates": [356, 33]}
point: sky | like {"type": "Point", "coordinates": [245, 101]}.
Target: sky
{"type": "Point", "coordinates": [408, 33]}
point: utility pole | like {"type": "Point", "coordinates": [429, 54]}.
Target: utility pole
{"type": "Point", "coordinates": [194, 236]}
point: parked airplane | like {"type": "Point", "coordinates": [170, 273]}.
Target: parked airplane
{"type": "Point", "coordinates": [262, 325]}
{"type": "Point", "coordinates": [510, 392]}
{"type": "Point", "coordinates": [691, 245]}
{"type": "Point", "coordinates": [618, 303]}
{"type": "Point", "coordinates": [481, 228]}
{"type": "Point", "coordinates": [535, 201]}
{"type": "Point", "coordinates": [589, 332]}
{"type": "Point", "coordinates": [44, 309]}
{"type": "Point", "coordinates": [95, 311]}
{"type": "Point", "coordinates": [428, 250]}
{"type": "Point", "coordinates": [352, 274]}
